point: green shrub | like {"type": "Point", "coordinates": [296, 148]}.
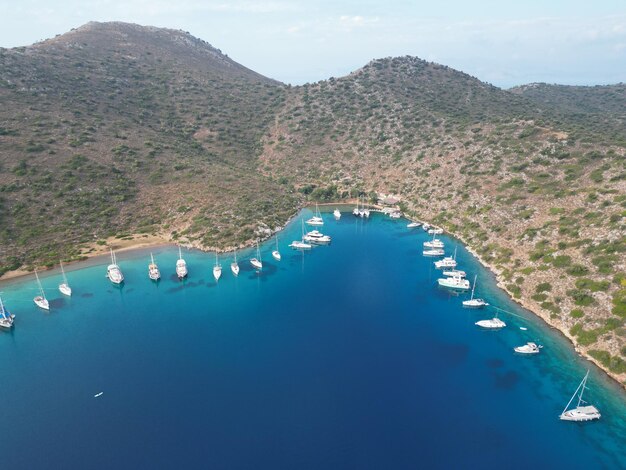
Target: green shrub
{"type": "Point", "coordinates": [543, 287]}
{"type": "Point", "coordinates": [577, 313]}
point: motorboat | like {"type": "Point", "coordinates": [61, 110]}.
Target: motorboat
{"type": "Point", "coordinates": [528, 348]}
{"type": "Point", "coordinates": [453, 272]}
{"type": "Point", "coordinates": [413, 225]}
{"type": "Point", "coordinates": [337, 214]}
{"type": "Point", "coordinates": [455, 282]}
{"type": "Point", "coordinates": [317, 238]}
{"type": "Point", "coordinates": [435, 231]}
{"type": "Point", "coordinates": [433, 252]}
{"type": "Point", "coordinates": [491, 324]}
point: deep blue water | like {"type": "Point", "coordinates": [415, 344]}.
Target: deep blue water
{"type": "Point", "coordinates": [347, 356]}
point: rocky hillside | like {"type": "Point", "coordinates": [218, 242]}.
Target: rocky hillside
{"type": "Point", "coordinates": [115, 129]}
{"type": "Point", "coordinates": [537, 190]}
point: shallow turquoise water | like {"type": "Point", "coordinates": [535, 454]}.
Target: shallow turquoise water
{"type": "Point", "coordinates": [347, 356]}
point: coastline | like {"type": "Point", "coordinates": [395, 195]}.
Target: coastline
{"type": "Point", "coordinates": [142, 241]}
{"type": "Point", "coordinates": [524, 304]}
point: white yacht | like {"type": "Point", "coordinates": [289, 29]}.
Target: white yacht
{"type": "Point", "coordinates": [317, 238]}
{"type": "Point", "coordinates": [433, 252]}
{"type": "Point", "coordinates": [217, 269]}
{"type": "Point", "coordinates": [413, 225]}
{"type": "Point", "coordinates": [40, 300]}
{"type": "Point", "coordinates": [64, 287]}
{"type": "Point", "coordinates": [434, 243]}
{"type": "Point", "coordinates": [234, 266]}
{"type": "Point", "coordinates": [455, 282]}
{"type": "Point", "coordinates": [435, 231]}
{"type": "Point", "coordinates": [472, 302]}
{"type": "Point", "coordinates": [492, 324]}
{"type": "Point", "coordinates": [337, 214]}
{"type": "Point", "coordinates": [256, 262]}
{"type": "Point", "coordinates": [114, 273]}
{"type": "Point", "coordinates": [316, 219]}
{"type": "Point", "coordinates": [6, 318]}
{"type": "Point", "coordinates": [153, 270]}
{"type": "Point", "coordinates": [181, 266]}
{"type": "Point", "coordinates": [447, 262]}
{"type": "Point", "coordinates": [276, 253]}
{"type": "Point", "coordinates": [395, 215]}
{"type": "Point", "coordinates": [580, 413]}
{"type": "Point", "coordinates": [453, 272]}
{"type": "Point", "coordinates": [528, 348]}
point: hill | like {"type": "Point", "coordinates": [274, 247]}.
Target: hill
{"type": "Point", "coordinates": [116, 129]}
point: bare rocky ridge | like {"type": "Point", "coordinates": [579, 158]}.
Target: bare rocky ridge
{"type": "Point", "coordinates": [116, 129]}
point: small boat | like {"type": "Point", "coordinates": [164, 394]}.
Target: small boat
{"type": "Point", "coordinates": [492, 324]}
{"type": "Point", "coordinates": [40, 300]}
{"type": "Point", "coordinates": [316, 237]}
{"type": "Point", "coordinates": [433, 252]}
{"type": "Point", "coordinates": [256, 262]}
{"type": "Point", "coordinates": [337, 214]}
{"type": "Point", "coordinates": [426, 227]}
{"type": "Point", "coordinates": [153, 270]}
{"type": "Point", "coordinates": [234, 267]}
{"type": "Point", "coordinates": [217, 269]}
{"type": "Point", "coordinates": [472, 302]}
{"type": "Point", "coordinates": [580, 413]}
{"type": "Point", "coordinates": [413, 225]}
{"type": "Point", "coordinates": [114, 273]}
{"type": "Point", "coordinates": [99, 394]}
{"type": "Point", "coordinates": [276, 253]}
{"type": "Point", "coordinates": [453, 272]}
{"type": "Point", "coordinates": [6, 318]}
{"type": "Point", "coordinates": [435, 231]}
{"type": "Point", "coordinates": [64, 287]}
{"type": "Point", "coordinates": [181, 266]}
{"type": "Point", "coordinates": [395, 214]}
{"type": "Point", "coordinates": [455, 282]}
{"type": "Point", "coordinates": [528, 348]}
{"type": "Point", "coordinates": [317, 218]}
{"type": "Point", "coordinates": [447, 262]}
{"type": "Point", "coordinates": [523, 328]}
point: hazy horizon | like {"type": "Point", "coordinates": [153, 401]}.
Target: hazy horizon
{"type": "Point", "coordinates": [568, 43]}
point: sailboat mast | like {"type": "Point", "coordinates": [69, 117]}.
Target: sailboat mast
{"type": "Point", "coordinates": [2, 309]}
{"type": "Point", "coordinates": [571, 399]}
{"type": "Point", "coordinates": [474, 286]}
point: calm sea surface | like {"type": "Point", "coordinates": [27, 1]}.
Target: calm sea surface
{"type": "Point", "coordinates": [347, 356]}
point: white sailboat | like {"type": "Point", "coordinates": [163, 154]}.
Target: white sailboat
{"type": "Point", "coordinates": [580, 413]}
{"type": "Point", "coordinates": [317, 218]}
{"type": "Point", "coordinates": [337, 214]}
{"type": "Point", "coordinates": [114, 273]}
{"type": "Point", "coordinates": [434, 243]}
{"type": "Point", "coordinates": [153, 270]}
{"type": "Point", "coordinates": [40, 300]}
{"type": "Point", "coordinates": [356, 211]}
{"type": "Point", "coordinates": [300, 244]}
{"type": "Point", "coordinates": [6, 318]}
{"type": "Point", "coordinates": [455, 282]}
{"type": "Point", "coordinates": [181, 266]}
{"type": "Point", "coordinates": [256, 262]}
{"type": "Point", "coordinates": [276, 253]}
{"type": "Point", "coordinates": [64, 287]}
{"type": "Point", "coordinates": [472, 302]}
{"type": "Point", "coordinates": [217, 269]}
{"type": "Point", "coordinates": [528, 348]}
{"type": "Point", "coordinates": [234, 266]}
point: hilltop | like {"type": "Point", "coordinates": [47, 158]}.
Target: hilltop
{"type": "Point", "coordinates": [114, 129]}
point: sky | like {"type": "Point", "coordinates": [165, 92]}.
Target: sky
{"type": "Point", "coordinates": [573, 42]}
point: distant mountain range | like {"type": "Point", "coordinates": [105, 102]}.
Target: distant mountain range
{"type": "Point", "coordinates": [115, 129]}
